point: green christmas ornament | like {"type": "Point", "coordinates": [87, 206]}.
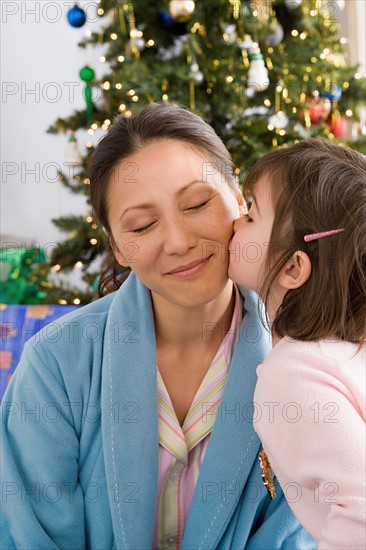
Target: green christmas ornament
{"type": "Point", "coordinates": [87, 75]}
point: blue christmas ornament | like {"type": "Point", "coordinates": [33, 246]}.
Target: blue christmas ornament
{"type": "Point", "coordinates": [76, 17]}
{"type": "Point", "coordinates": [172, 25]}
{"type": "Point", "coordinates": [334, 95]}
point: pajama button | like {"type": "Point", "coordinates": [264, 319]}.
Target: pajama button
{"type": "Point", "coordinates": [174, 475]}
{"type": "Point", "coordinates": [171, 540]}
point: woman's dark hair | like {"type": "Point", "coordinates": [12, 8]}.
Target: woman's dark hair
{"type": "Point", "coordinates": [317, 186]}
{"type": "Point", "coordinates": [126, 136]}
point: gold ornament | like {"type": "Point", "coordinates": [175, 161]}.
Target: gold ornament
{"type": "Point", "coordinates": [262, 9]}
{"type": "Point", "coordinates": [267, 477]}
{"type": "Point", "coordinates": [182, 10]}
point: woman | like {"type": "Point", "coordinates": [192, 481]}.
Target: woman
{"type": "Point", "coordinates": [136, 433]}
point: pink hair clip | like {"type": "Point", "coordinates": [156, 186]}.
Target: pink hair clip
{"type": "Point", "coordinates": [316, 236]}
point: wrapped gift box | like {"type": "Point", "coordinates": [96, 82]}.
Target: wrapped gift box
{"type": "Point", "coordinates": [18, 323]}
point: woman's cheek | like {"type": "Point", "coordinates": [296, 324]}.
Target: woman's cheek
{"type": "Point", "coordinates": [224, 217]}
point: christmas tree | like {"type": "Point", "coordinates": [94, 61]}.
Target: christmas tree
{"type": "Point", "coordinates": [263, 73]}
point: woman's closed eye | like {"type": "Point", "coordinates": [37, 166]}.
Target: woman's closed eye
{"type": "Point", "coordinates": [247, 218]}
{"type": "Point", "coordinates": [143, 229]}
{"type": "Point", "coordinates": [199, 206]}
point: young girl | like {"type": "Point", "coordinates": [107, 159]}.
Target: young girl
{"type": "Point", "coordinates": [302, 248]}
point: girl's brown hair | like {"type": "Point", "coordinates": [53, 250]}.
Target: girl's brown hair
{"type": "Point", "coordinates": [127, 135]}
{"type": "Point", "coordinates": [318, 186]}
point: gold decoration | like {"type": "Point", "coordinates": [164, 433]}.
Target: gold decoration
{"type": "Point", "coordinates": [236, 8]}
{"type": "Point", "coordinates": [262, 9]}
{"type": "Point", "coordinates": [38, 312]}
{"type": "Point", "coordinates": [267, 474]}
{"type": "Point", "coordinates": [182, 10]}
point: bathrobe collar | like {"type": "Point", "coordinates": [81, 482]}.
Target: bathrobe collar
{"type": "Point", "coordinates": [130, 425]}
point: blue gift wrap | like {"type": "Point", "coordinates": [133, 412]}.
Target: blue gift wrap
{"type": "Point", "coordinates": [18, 323]}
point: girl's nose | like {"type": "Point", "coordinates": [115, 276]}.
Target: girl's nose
{"type": "Point", "coordinates": [236, 223]}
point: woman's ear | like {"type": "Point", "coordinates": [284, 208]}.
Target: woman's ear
{"type": "Point", "coordinates": [296, 271]}
{"type": "Point", "coordinates": [119, 257]}
{"type": "Point", "coordinates": [241, 202]}
{"type": "Point", "coordinates": [116, 251]}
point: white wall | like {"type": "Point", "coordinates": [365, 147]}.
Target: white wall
{"type": "Point", "coordinates": [39, 52]}
{"type": "Point", "coordinates": [355, 15]}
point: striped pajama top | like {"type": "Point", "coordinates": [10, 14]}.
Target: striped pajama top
{"type": "Point", "coordinates": [182, 448]}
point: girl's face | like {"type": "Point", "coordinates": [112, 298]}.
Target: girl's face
{"type": "Point", "coordinates": [171, 216]}
{"type": "Point", "coordinates": [249, 245]}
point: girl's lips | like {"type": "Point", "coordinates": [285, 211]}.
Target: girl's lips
{"type": "Point", "coordinates": [189, 270]}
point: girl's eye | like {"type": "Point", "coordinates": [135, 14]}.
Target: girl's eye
{"type": "Point", "coordinates": [143, 229]}
{"type": "Point", "coordinates": [199, 206]}
{"type": "Point", "coordinates": [247, 218]}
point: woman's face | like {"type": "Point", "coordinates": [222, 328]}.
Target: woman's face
{"type": "Point", "coordinates": [171, 216]}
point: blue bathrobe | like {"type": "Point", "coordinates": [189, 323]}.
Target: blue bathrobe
{"type": "Point", "coordinates": [80, 440]}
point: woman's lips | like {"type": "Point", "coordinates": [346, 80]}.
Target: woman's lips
{"type": "Point", "coordinates": [189, 270]}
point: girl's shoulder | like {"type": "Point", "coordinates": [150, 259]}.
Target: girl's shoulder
{"type": "Point", "coordinates": [341, 361]}
{"type": "Point", "coordinates": [326, 365]}
{"type": "Point", "coordinates": [333, 351]}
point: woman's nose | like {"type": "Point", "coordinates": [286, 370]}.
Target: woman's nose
{"type": "Point", "coordinates": [179, 238]}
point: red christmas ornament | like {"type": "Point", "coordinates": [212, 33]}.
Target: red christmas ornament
{"type": "Point", "coordinates": [318, 109]}
{"type": "Point", "coordinates": [316, 114]}
{"type": "Point", "coordinates": [337, 124]}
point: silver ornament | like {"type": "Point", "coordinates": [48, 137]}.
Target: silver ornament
{"type": "Point", "coordinates": [303, 133]}
{"type": "Point", "coordinates": [293, 4]}
{"type": "Point", "coordinates": [230, 31]}
{"type": "Point", "coordinates": [195, 73]}
{"type": "Point", "coordinates": [247, 43]}
{"type": "Point", "coordinates": [136, 41]}
{"type": "Point", "coordinates": [276, 35]}
{"type": "Point", "coordinates": [198, 77]}
{"type": "Point", "coordinates": [99, 99]}
{"type": "Point", "coordinates": [250, 111]}
{"type": "Point", "coordinates": [279, 120]}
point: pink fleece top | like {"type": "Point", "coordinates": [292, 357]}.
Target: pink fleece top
{"type": "Point", "coordinates": [310, 416]}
